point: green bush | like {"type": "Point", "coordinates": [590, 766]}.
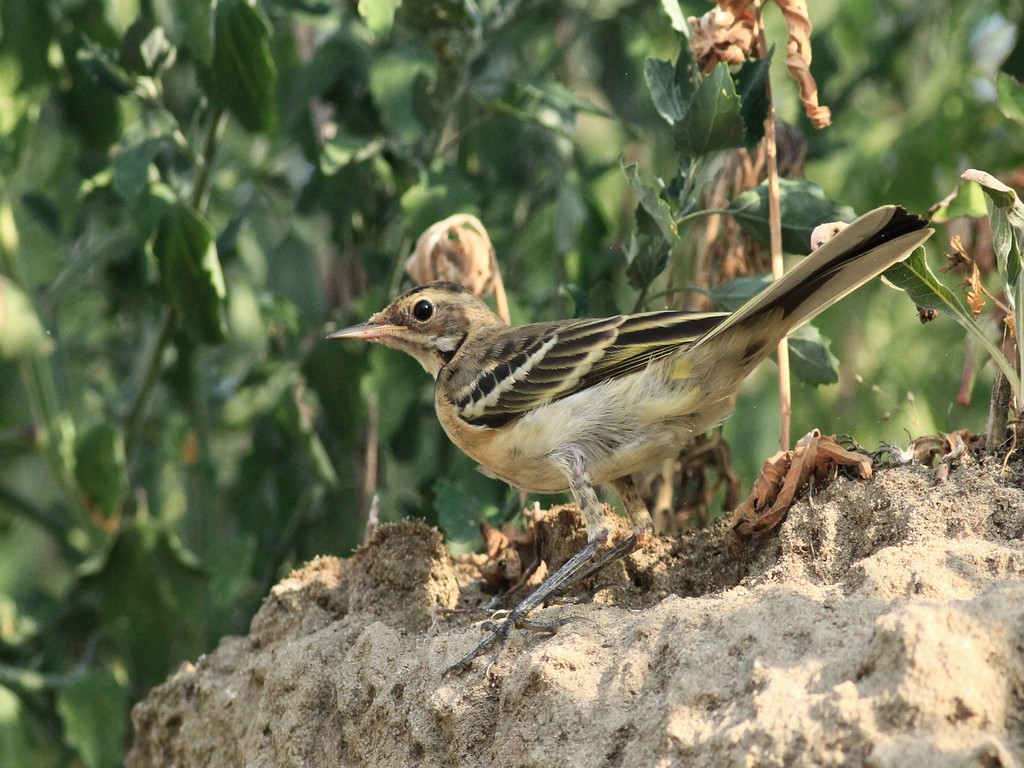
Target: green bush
{"type": "Point", "coordinates": [188, 204]}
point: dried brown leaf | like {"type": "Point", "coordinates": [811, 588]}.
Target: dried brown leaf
{"type": "Point", "coordinates": [456, 249]}
{"type": "Point", "coordinates": [798, 60]}
{"type": "Point", "coordinates": [786, 476]}
{"type": "Point", "coordinates": [725, 33]}
{"type": "Point", "coordinates": [831, 451]}
{"type": "Point", "coordinates": [495, 540]}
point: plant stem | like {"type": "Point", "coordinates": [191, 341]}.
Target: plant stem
{"type": "Point", "coordinates": [775, 241]}
{"type": "Point", "coordinates": [168, 320]}
{"type": "Point", "coordinates": [133, 421]}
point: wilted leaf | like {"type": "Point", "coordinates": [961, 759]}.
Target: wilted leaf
{"type": "Point", "coordinates": [190, 272]}
{"type": "Point", "coordinates": [93, 711]}
{"type": "Point", "coordinates": [798, 60]}
{"type": "Point", "coordinates": [456, 249]}
{"type": "Point", "coordinates": [785, 477]}
{"type": "Point", "coordinates": [723, 35]}
{"type": "Point", "coordinates": [803, 205]}
{"type": "Point", "coordinates": [243, 75]}
{"type": "Point", "coordinates": [712, 120]}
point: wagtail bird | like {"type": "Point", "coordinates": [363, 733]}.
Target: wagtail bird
{"type": "Point", "coordinates": [576, 404]}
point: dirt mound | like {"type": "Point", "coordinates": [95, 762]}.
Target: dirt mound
{"type": "Point", "coordinates": [882, 624]}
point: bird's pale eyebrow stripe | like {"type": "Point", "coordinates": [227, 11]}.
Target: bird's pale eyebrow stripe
{"type": "Point", "coordinates": [488, 388]}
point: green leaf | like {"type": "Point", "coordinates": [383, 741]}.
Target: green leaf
{"type": "Point", "coordinates": [100, 467]}
{"type": "Point", "coordinates": [131, 167]}
{"type": "Point", "coordinates": [148, 591]}
{"type": "Point", "coordinates": [967, 200]}
{"type": "Point", "coordinates": [733, 294]}
{"type": "Point", "coordinates": [688, 74]}
{"type": "Point", "coordinates": [651, 203]}
{"type": "Point", "coordinates": [810, 357]}
{"type": "Point", "coordinates": [1011, 97]}
{"type": "Point", "coordinates": [803, 204]}
{"type": "Point", "coordinates": [712, 120]}
{"type": "Point", "coordinates": [16, 750]}
{"type": "Point", "coordinates": [459, 514]}
{"type": "Point", "coordinates": [99, 65]}
{"type": "Point", "coordinates": [1007, 217]}
{"type": "Point", "coordinates": [93, 711]}
{"type": "Point", "coordinates": [661, 82]}
{"type": "Point", "coordinates": [186, 251]}
{"type": "Point", "coordinates": [916, 278]}
{"type": "Point", "coordinates": [562, 98]}
{"type": "Point", "coordinates": [243, 76]}
{"type": "Point", "coordinates": [675, 15]}
{"type": "Point", "coordinates": [344, 149]}
{"type": "Point", "coordinates": [752, 85]}
{"type": "Point", "coordinates": [195, 21]}
{"type": "Point", "coordinates": [436, 196]}
{"type": "Point", "coordinates": [397, 381]}
{"type": "Point", "coordinates": [21, 334]}
{"type": "Point", "coordinates": [646, 258]}
{"type": "Point", "coordinates": [145, 49]}
{"type": "Point", "coordinates": [379, 15]}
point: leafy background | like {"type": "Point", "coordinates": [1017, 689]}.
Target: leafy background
{"type": "Point", "coordinates": [192, 198]}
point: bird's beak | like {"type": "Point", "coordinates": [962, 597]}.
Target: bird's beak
{"type": "Point", "coordinates": [366, 331]}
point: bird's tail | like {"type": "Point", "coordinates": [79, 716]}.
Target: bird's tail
{"type": "Point", "coordinates": [866, 248]}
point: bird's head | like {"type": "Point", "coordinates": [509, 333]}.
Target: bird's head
{"type": "Point", "coordinates": [430, 322]}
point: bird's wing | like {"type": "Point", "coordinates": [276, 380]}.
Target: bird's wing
{"type": "Point", "coordinates": [528, 366]}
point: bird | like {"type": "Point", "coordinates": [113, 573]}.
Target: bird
{"type": "Point", "coordinates": [572, 405]}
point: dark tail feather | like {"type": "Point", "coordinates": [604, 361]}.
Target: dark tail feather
{"type": "Point", "coordinates": [866, 248]}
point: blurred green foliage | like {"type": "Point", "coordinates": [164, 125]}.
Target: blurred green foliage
{"type": "Point", "coordinates": [191, 197]}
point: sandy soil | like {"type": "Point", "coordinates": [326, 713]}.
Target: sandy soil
{"type": "Point", "coordinates": [881, 624]}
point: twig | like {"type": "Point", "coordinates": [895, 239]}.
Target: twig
{"type": "Point", "coordinates": [775, 239]}
{"type": "Point", "coordinates": [372, 455]}
{"type": "Point", "coordinates": [998, 410]}
{"type": "Point", "coordinates": [198, 200]}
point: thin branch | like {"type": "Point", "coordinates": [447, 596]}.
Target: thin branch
{"type": "Point", "coordinates": [168, 320]}
{"type": "Point", "coordinates": [775, 241]}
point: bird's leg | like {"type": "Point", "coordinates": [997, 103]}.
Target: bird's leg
{"type": "Point", "coordinates": [640, 521]}
{"type": "Point", "coordinates": [579, 565]}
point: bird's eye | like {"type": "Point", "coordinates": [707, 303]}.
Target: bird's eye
{"type": "Point", "coordinates": [422, 310]}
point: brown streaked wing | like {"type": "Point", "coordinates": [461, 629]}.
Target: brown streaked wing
{"type": "Point", "coordinates": [551, 361]}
